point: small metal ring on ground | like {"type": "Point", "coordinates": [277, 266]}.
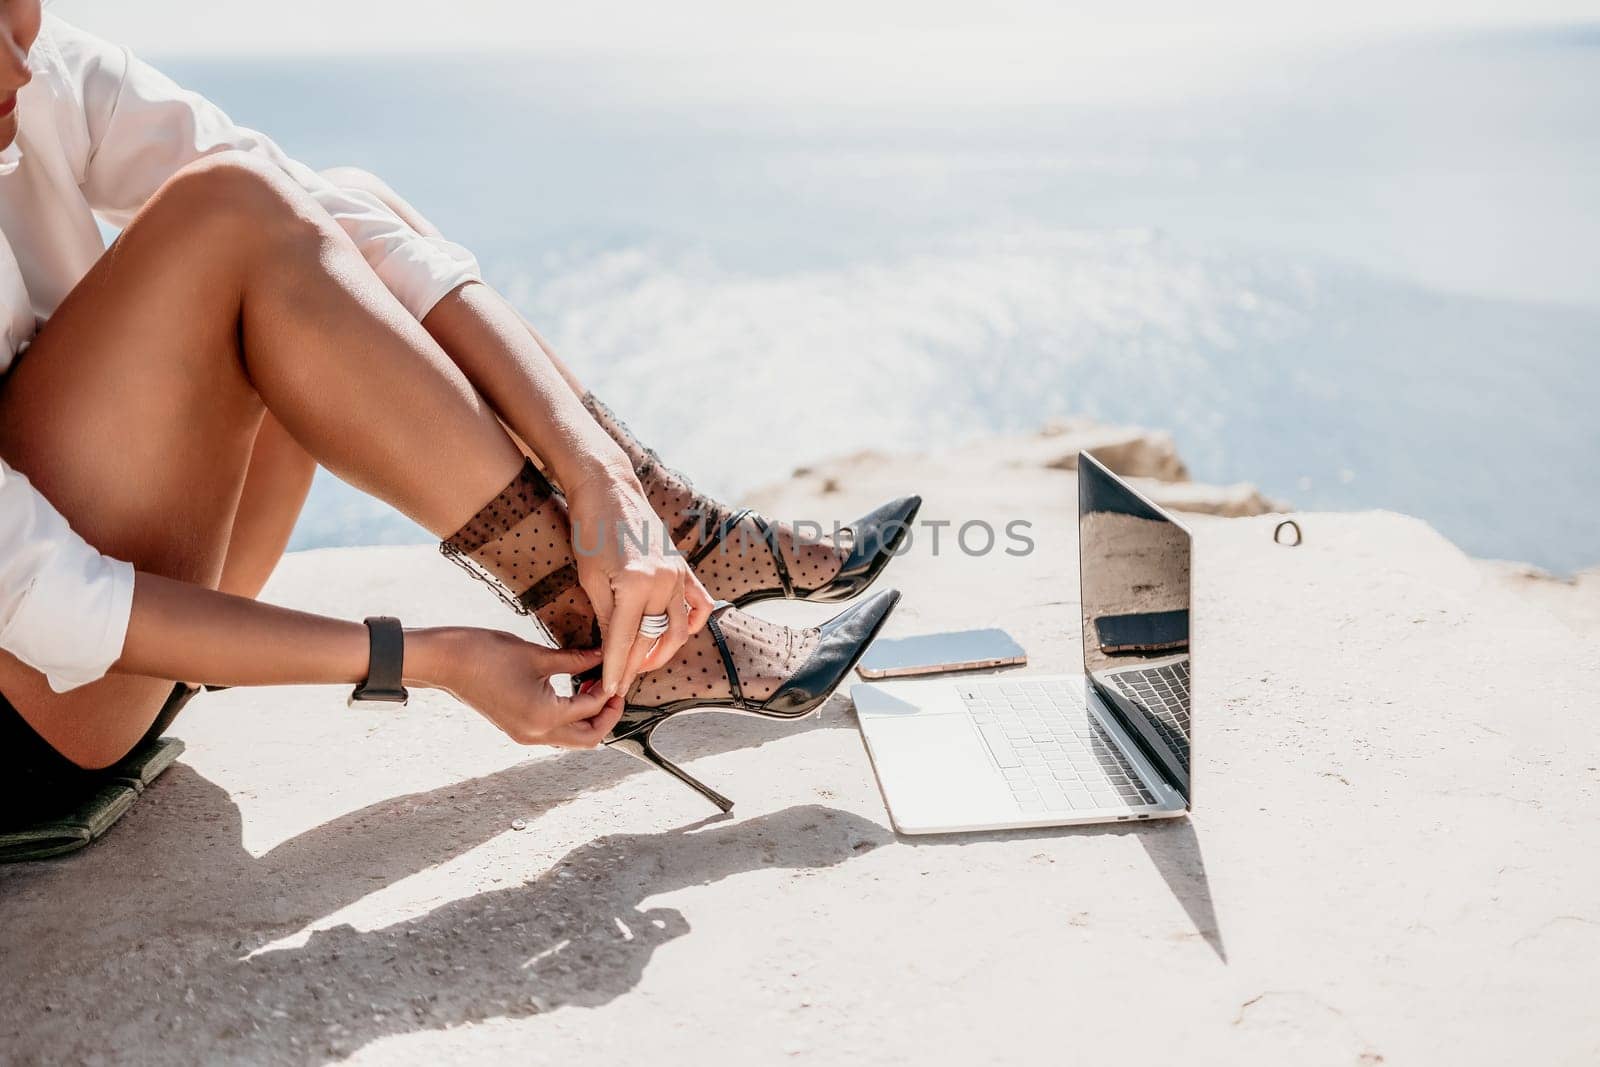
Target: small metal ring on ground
{"type": "Point", "coordinates": [1277, 533]}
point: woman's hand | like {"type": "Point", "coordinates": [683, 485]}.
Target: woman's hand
{"type": "Point", "coordinates": [627, 567]}
{"type": "Point", "coordinates": [500, 355]}
{"type": "Point", "coordinates": [179, 630]}
{"type": "Point", "coordinates": [507, 681]}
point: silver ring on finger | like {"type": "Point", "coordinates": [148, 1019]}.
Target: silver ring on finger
{"type": "Point", "coordinates": [653, 625]}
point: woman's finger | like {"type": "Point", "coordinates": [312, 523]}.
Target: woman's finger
{"type": "Point", "coordinates": [587, 733]}
{"type": "Point", "coordinates": [678, 613]}
{"type": "Point", "coordinates": [578, 707]}
{"type": "Point", "coordinates": [564, 660]}
{"type": "Point", "coordinates": [700, 603]}
{"type": "Point", "coordinates": [677, 633]}
{"type": "Point", "coordinates": [636, 657]}
{"type": "Point", "coordinates": [621, 634]}
{"type": "Point", "coordinates": [599, 594]}
{"type": "Point", "coordinates": [667, 601]}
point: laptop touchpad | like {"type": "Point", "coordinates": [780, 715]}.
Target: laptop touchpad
{"type": "Point", "coordinates": [935, 772]}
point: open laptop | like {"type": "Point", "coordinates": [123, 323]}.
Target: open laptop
{"type": "Point", "coordinates": [1108, 745]}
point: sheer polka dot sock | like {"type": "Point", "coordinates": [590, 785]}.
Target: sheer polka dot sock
{"type": "Point", "coordinates": [742, 561]}
{"type": "Point", "coordinates": [765, 655]}
{"type": "Point", "coordinates": [519, 544]}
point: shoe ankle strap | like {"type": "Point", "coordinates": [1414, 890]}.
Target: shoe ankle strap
{"type": "Point", "coordinates": [714, 626]}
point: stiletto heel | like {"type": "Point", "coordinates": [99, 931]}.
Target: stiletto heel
{"type": "Point", "coordinates": [520, 544]}
{"type": "Point", "coordinates": [639, 746]}
{"type": "Point", "coordinates": [842, 640]}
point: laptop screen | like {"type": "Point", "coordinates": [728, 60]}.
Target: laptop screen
{"type": "Point", "coordinates": [1133, 567]}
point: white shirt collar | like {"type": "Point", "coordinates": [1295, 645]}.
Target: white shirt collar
{"type": "Point", "coordinates": [10, 159]}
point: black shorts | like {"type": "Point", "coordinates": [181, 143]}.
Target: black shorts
{"type": "Point", "coordinates": [36, 780]}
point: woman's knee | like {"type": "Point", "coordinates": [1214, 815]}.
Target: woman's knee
{"type": "Point", "coordinates": [240, 191]}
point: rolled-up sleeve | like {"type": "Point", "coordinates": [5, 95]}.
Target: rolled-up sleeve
{"type": "Point", "coordinates": [141, 128]}
{"type": "Point", "coordinates": [64, 607]}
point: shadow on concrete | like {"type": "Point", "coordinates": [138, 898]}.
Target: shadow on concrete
{"type": "Point", "coordinates": [1171, 844]}
{"type": "Point", "coordinates": [1174, 848]}
{"type": "Point", "coordinates": [149, 945]}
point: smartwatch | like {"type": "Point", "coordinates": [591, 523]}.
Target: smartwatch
{"type": "Point", "coordinates": [386, 653]}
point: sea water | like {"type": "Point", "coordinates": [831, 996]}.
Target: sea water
{"type": "Point", "coordinates": [1359, 277]}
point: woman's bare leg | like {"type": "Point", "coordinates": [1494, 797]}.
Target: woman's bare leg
{"type": "Point", "coordinates": [275, 488]}
{"type": "Point", "coordinates": [137, 409]}
{"type": "Point", "coordinates": [747, 563]}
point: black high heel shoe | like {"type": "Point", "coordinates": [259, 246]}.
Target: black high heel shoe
{"type": "Point", "coordinates": [874, 539]}
{"type": "Point", "coordinates": [843, 639]}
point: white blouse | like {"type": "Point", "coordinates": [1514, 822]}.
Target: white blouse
{"type": "Point", "coordinates": [99, 131]}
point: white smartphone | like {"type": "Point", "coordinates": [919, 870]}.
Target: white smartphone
{"type": "Point", "coordinates": [964, 650]}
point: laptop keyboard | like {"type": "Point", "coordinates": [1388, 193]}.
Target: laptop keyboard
{"type": "Point", "coordinates": [1054, 753]}
{"type": "Point", "coordinates": [1164, 693]}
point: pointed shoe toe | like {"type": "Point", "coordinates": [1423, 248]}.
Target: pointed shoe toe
{"type": "Point", "coordinates": [844, 638]}
{"type": "Point", "coordinates": [874, 540]}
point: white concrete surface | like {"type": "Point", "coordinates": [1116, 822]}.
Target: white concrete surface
{"type": "Point", "coordinates": [1393, 858]}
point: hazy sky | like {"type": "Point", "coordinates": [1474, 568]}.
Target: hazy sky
{"type": "Point", "coordinates": [895, 56]}
{"type": "Point", "coordinates": [954, 29]}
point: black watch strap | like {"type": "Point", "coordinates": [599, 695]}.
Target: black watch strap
{"type": "Point", "coordinates": [386, 644]}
